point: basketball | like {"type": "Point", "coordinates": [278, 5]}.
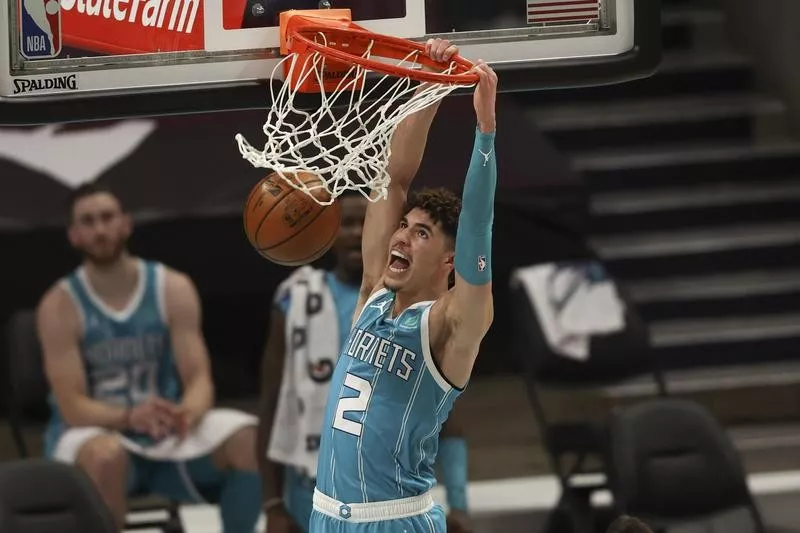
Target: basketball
{"type": "Point", "coordinates": [285, 224]}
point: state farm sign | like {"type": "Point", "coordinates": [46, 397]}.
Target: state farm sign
{"type": "Point", "coordinates": [133, 26]}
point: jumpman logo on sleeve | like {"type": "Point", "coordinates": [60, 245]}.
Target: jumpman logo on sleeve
{"type": "Point", "coordinates": [381, 306]}
{"type": "Point", "coordinates": [486, 156]}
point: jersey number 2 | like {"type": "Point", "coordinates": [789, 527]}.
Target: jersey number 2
{"type": "Point", "coordinates": [357, 404]}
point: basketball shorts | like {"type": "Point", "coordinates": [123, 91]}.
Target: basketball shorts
{"type": "Point", "coordinates": [418, 514]}
{"type": "Point", "coordinates": [191, 481]}
{"type": "Point", "coordinates": [298, 495]}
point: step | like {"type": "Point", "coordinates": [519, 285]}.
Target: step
{"type": "Point", "coordinates": [662, 120]}
{"type": "Point", "coordinates": [722, 307]}
{"type": "Point", "coordinates": [719, 211]}
{"type": "Point", "coordinates": [654, 111]}
{"type": "Point", "coordinates": [732, 285]}
{"type": "Point", "coordinates": [698, 380]}
{"type": "Point", "coordinates": [693, 27]}
{"type": "Point", "coordinates": [751, 438]}
{"type": "Point", "coordinates": [673, 166]}
{"type": "Point", "coordinates": [721, 295]}
{"type": "Point", "coordinates": [704, 196]}
{"type": "Point", "coordinates": [710, 353]}
{"type": "Point", "coordinates": [684, 72]}
{"type": "Point", "coordinates": [724, 330]}
{"type": "Point", "coordinates": [697, 240]}
{"type": "Point", "coordinates": [638, 267]}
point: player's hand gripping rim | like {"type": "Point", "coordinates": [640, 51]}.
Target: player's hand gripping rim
{"type": "Point", "coordinates": [441, 51]}
{"type": "Point", "coordinates": [485, 97]}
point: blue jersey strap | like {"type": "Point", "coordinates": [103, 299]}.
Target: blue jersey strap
{"type": "Point", "coordinates": [473, 257]}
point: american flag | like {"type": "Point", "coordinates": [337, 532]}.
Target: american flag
{"type": "Point", "coordinates": [550, 11]}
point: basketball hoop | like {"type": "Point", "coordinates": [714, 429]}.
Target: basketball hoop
{"type": "Point", "coordinates": [346, 141]}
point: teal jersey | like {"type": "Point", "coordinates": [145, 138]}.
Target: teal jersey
{"type": "Point", "coordinates": [386, 406]}
{"type": "Point", "coordinates": [127, 355]}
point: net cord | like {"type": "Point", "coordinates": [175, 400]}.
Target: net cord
{"type": "Point", "coordinates": [346, 141]}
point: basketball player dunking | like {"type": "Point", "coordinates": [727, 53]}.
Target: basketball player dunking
{"type": "Point", "coordinates": [413, 343]}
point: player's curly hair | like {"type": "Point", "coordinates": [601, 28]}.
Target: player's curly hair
{"type": "Point", "coordinates": [441, 204]}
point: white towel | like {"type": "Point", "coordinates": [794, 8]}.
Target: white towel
{"type": "Point", "coordinates": [313, 344]}
{"type": "Point", "coordinates": [211, 431]}
{"type": "Point", "coordinates": [573, 301]}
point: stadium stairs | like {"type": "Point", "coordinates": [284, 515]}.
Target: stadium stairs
{"type": "Point", "coordinates": [694, 182]}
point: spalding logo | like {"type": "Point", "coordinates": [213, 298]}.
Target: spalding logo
{"type": "Point", "coordinates": [32, 85]}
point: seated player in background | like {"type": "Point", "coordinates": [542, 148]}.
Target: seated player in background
{"type": "Point", "coordinates": [414, 340]}
{"type": "Point", "coordinates": [128, 367]}
{"type": "Point", "coordinates": [310, 321]}
{"type": "Point", "coordinates": [628, 524]}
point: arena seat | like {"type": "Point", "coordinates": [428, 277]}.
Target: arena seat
{"type": "Point", "coordinates": [672, 463]}
{"type": "Point", "coordinates": [27, 406]}
{"type": "Point", "coordinates": [613, 358]}
{"type": "Point", "coordinates": [42, 495]}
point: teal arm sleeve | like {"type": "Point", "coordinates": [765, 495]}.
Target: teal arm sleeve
{"type": "Point", "coordinates": [473, 257]}
{"type": "Point", "coordinates": [453, 462]}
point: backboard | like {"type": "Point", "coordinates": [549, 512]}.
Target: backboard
{"type": "Point", "coordinates": [71, 60]}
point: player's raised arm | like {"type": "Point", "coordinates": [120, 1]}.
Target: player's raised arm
{"type": "Point", "coordinates": [407, 148]}
{"type": "Point", "coordinates": [463, 316]}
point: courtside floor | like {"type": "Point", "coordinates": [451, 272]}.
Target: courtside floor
{"type": "Point", "coordinates": [520, 505]}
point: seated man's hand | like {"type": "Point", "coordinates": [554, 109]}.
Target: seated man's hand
{"type": "Point", "coordinates": [458, 522]}
{"type": "Point", "coordinates": [184, 421]}
{"type": "Point", "coordinates": [279, 521]}
{"type": "Point", "coordinates": [155, 417]}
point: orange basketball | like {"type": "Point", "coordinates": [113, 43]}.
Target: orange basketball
{"type": "Point", "coordinates": [286, 225]}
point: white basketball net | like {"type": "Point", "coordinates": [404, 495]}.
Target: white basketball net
{"type": "Point", "coordinates": [347, 147]}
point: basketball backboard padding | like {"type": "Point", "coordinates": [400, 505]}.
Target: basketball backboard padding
{"type": "Point", "coordinates": [580, 68]}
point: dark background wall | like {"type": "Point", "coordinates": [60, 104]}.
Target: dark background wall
{"type": "Point", "coordinates": [769, 31]}
{"type": "Point", "coordinates": [186, 184]}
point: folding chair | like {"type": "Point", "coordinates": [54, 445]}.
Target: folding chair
{"type": "Point", "coordinates": [671, 463]}
{"type": "Point", "coordinates": [614, 358]}
{"type": "Point", "coordinates": [27, 403]}
{"type": "Point", "coordinates": [38, 496]}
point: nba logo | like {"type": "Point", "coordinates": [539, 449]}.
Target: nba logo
{"type": "Point", "coordinates": [40, 28]}
{"type": "Point", "coordinates": [481, 263]}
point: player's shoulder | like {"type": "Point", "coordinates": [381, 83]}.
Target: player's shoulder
{"type": "Point", "coordinates": [57, 304]}
{"type": "Point", "coordinates": [174, 280]}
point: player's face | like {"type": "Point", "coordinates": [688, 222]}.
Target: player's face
{"type": "Point", "coordinates": [348, 242]}
{"type": "Point", "coordinates": [420, 254]}
{"type": "Point", "coordinates": [99, 229]}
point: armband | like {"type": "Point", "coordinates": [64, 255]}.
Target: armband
{"type": "Point", "coordinates": [473, 254]}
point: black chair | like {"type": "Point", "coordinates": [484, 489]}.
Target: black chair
{"type": "Point", "coordinates": [614, 358]}
{"type": "Point", "coordinates": [671, 462]}
{"type": "Point", "coordinates": [28, 406]}
{"type": "Point", "coordinates": [41, 496]}
{"type": "Point", "coordinates": [27, 386]}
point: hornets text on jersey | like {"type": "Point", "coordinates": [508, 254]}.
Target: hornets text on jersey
{"type": "Point", "coordinates": [385, 408]}
{"type": "Point", "coordinates": [127, 355]}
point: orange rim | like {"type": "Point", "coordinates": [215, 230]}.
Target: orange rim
{"type": "Point", "coordinates": [381, 46]}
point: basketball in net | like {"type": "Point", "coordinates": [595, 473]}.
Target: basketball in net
{"type": "Point", "coordinates": [367, 84]}
{"type": "Point", "coordinates": [288, 226]}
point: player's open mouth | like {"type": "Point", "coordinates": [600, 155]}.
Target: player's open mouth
{"type": "Point", "coordinates": [398, 262]}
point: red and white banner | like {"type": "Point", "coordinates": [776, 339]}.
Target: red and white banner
{"type": "Point", "coordinates": [133, 26]}
{"type": "Point", "coordinates": [568, 11]}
